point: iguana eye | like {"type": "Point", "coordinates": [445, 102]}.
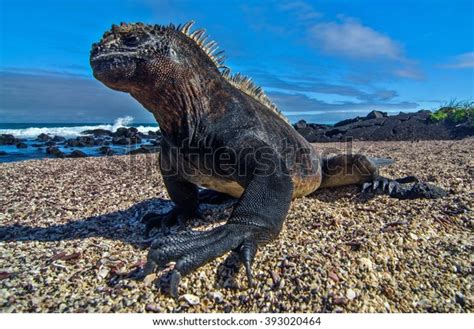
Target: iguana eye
{"type": "Point", "coordinates": [173, 53]}
{"type": "Point", "coordinates": [131, 41]}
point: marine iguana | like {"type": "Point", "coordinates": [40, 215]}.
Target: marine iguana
{"type": "Point", "coordinates": [221, 131]}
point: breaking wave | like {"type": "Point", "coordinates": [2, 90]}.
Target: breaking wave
{"type": "Point", "coordinates": [72, 130]}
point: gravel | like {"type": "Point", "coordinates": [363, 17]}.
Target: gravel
{"type": "Point", "coordinates": [70, 232]}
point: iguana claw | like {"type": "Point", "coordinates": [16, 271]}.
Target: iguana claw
{"type": "Point", "coordinates": [381, 184]}
{"type": "Point", "coordinates": [394, 188]}
{"type": "Point", "coordinates": [391, 187]}
{"type": "Point", "coordinates": [247, 254]}
{"type": "Point", "coordinates": [366, 186]}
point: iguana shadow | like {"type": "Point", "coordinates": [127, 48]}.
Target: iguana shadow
{"type": "Point", "coordinates": [334, 194]}
{"type": "Point", "coordinates": [124, 225]}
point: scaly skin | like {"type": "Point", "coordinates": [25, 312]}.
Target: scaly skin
{"type": "Point", "coordinates": [218, 135]}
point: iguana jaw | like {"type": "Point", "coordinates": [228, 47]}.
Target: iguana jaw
{"type": "Point", "coordinates": [114, 69]}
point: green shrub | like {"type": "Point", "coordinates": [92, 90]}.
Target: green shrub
{"type": "Point", "coordinates": [455, 113]}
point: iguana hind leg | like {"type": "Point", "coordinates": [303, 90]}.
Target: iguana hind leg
{"type": "Point", "coordinates": [395, 188]}
{"type": "Point", "coordinates": [347, 169]}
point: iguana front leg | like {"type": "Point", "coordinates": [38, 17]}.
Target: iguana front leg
{"type": "Point", "coordinates": [257, 219]}
{"type": "Point", "coordinates": [186, 206]}
{"type": "Point", "coordinates": [185, 197]}
{"type": "Point", "coordinates": [183, 193]}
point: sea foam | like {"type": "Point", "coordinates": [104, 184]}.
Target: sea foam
{"type": "Point", "coordinates": [73, 131]}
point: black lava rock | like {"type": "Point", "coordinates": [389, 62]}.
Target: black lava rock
{"type": "Point", "coordinates": [55, 151]}
{"type": "Point", "coordinates": [7, 139]}
{"type": "Point", "coordinates": [98, 132]}
{"type": "Point", "coordinates": [21, 145]}
{"type": "Point", "coordinates": [77, 154]}
{"type": "Point", "coordinates": [301, 124]}
{"type": "Point", "coordinates": [105, 150]}
{"type": "Point", "coordinates": [82, 141]}
{"type": "Point", "coordinates": [126, 140]}
{"type": "Point", "coordinates": [145, 149]}
{"type": "Point", "coordinates": [379, 126]}
{"type": "Point", "coordinates": [376, 115]}
{"type": "Point", "coordinates": [43, 137]}
{"type": "Point", "coordinates": [58, 139]}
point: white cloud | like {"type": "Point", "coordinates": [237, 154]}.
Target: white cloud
{"type": "Point", "coordinates": [351, 38]}
{"type": "Point", "coordinates": [409, 73]}
{"type": "Point", "coordinates": [301, 9]}
{"type": "Point", "coordinates": [462, 61]}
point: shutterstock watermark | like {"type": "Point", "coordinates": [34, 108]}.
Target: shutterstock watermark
{"type": "Point", "coordinates": [204, 160]}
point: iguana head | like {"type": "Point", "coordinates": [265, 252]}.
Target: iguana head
{"type": "Point", "coordinates": [164, 67]}
{"type": "Point", "coordinates": [135, 55]}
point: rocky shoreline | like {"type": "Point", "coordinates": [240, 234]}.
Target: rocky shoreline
{"type": "Point", "coordinates": [379, 126]}
{"type": "Point", "coordinates": [101, 141]}
{"type": "Point", "coordinates": [376, 126]}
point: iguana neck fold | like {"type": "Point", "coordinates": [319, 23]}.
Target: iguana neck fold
{"type": "Point", "coordinates": [180, 106]}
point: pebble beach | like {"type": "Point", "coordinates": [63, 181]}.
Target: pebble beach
{"type": "Point", "coordinates": [70, 231]}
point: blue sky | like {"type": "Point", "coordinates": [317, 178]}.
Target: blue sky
{"type": "Point", "coordinates": [320, 60]}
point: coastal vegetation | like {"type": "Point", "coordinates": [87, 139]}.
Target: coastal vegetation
{"type": "Point", "coordinates": [455, 112]}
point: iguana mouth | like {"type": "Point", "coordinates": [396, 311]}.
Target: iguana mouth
{"type": "Point", "coordinates": [113, 61]}
{"type": "Point", "coordinates": [115, 54]}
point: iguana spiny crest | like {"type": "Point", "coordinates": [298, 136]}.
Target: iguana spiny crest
{"type": "Point", "coordinates": [127, 50]}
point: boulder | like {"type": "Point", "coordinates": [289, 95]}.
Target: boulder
{"type": "Point", "coordinates": [55, 151]}
{"type": "Point", "coordinates": [105, 150]}
{"type": "Point", "coordinates": [43, 137]}
{"type": "Point", "coordinates": [86, 140]}
{"type": "Point", "coordinates": [144, 149]}
{"type": "Point", "coordinates": [21, 145]}
{"type": "Point", "coordinates": [77, 154]}
{"type": "Point", "coordinates": [126, 140]}
{"type": "Point", "coordinates": [348, 121]}
{"type": "Point", "coordinates": [376, 115]}
{"type": "Point", "coordinates": [3, 153]}
{"type": "Point", "coordinates": [73, 143]}
{"type": "Point", "coordinates": [97, 132]}
{"type": "Point", "coordinates": [7, 139]}
{"type": "Point", "coordinates": [154, 134]}
{"type": "Point", "coordinates": [58, 139]}
{"type": "Point", "coordinates": [82, 141]}
{"type": "Point", "coordinates": [300, 124]}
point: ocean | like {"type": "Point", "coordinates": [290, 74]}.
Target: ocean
{"type": "Point", "coordinates": [28, 133]}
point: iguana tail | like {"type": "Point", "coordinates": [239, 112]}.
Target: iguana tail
{"type": "Point", "coordinates": [381, 162]}
{"type": "Point", "coordinates": [347, 169]}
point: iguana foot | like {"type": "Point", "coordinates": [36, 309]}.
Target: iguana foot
{"type": "Point", "coordinates": [176, 217]}
{"type": "Point", "coordinates": [395, 189]}
{"type": "Point", "coordinates": [164, 221]}
{"type": "Point", "coordinates": [192, 249]}
{"type": "Point", "coordinates": [387, 185]}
